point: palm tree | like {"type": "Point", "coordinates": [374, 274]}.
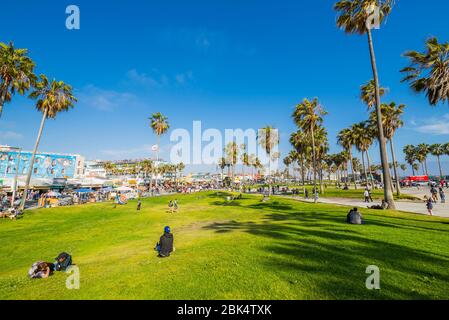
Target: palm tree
{"type": "Point", "coordinates": [180, 168]}
{"type": "Point", "coordinates": [268, 138]}
{"type": "Point", "coordinates": [422, 151]}
{"type": "Point", "coordinates": [300, 142]}
{"type": "Point", "coordinates": [16, 72]}
{"type": "Point", "coordinates": [109, 167]}
{"type": "Point", "coordinates": [410, 156]}
{"type": "Point", "coordinates": [438, 150]}
{"type": "Point", "coordinates": [52, 98]}
{"type": "Point", "coordinates": [222, 164]}
{"type": "Point", "coordinates": [363, 140]}
{"type": "Point", "coordinates": [354, 17]}
{"type": "Point", "coordinates": [288, 162]}
{"type": "Point", "coordinates": [245, 160]}
{"type": "Point", "coordinates": [368, 94]}
{"type": "Point", "coordinates": [308, 116]}
{"type": "Point", "coordinates": [346, 139]}
{"type": "Point", "coordinates": [232, 157]}
{"type": "Point", "coordinates": [391, 119]}
{"type": "Point", "coordinates": [159, 124]}
{"type": "Point", "coordinates": [428, 71]}
{"type": "Point", "coordinates": [403, 167]}
{"type": "Point", "coordinates": [293, 158]}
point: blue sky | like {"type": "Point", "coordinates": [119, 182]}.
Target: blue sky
{"type": "Point", "coordinates": [231, 64]}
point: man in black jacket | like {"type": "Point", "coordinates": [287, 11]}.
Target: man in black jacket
{"type": "Point", "coordinates": [165, 245]}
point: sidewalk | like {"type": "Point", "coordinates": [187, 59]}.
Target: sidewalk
{"type": "Point", "coordinates": [440, 210]}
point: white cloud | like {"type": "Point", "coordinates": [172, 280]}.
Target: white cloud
{"type": "Point", "coordinates": [435, 126]}
{"type": "Point", "coordinates": [105, 100]}
{"type": "Point", "coordinates": [184, 78]}
{"type": "Point", "coordinates": [145, 80]}
{"type": "Point", "coordinates": [10, 135]}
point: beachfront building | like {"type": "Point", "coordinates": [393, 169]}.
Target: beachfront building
{"type": "Point", "coordinates": [15, 163]}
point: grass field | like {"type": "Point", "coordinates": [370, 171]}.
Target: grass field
{"type": "Point", "coordinates": [245, 249]}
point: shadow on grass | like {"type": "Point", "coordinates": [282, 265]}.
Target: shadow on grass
{"type": "Point", "coordinates": [335, 255]}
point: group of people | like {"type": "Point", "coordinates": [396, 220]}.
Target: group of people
{"type": "Point", "coordinates": [435, 196]}
{"type": "Point", "coordinates": [42, 270]}
{"type": "Point", "coordinates": [173, 206]}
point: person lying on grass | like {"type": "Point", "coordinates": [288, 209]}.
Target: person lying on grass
{"type": "Point", "coordinates": [41, 270]}
{"type": "Point", "coordinates": [383, 206]}
{"type": "Point", "coordinates": [165, 245]}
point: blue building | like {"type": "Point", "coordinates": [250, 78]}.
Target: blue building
{"type": "Point", "coordinates": [46, 165]}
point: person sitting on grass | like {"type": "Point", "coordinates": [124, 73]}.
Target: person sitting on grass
{"type": "Point", "coordinates": [165, 245]}
{"type": "Point", "coordinates": [354, 217]}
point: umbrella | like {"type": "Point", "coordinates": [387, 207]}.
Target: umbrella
{"type": "Point", "coordinates": [82, 190]}
{"type": "Point", "coordinates": [54, 194]}
{"type": "Point", "coordinates": [125, 189]}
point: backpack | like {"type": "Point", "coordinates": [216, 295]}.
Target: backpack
{"type": "Point", "coordinates": [63, 261]}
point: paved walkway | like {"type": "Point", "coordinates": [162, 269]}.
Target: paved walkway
{"type": "Point", "coordinates": [440, 210]}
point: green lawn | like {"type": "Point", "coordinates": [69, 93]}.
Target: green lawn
{"type": "Point", "coordinates": [245, 249]}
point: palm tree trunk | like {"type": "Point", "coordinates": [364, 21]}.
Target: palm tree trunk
{"type": "Point", "coordinates": [388, 192]}
{"type": "Point", "coordinates": [369, 169]}
{"type": "Point", "coordinates": [439, 166]}
{"type": "Point", "coordinates": [269, 174]}
{"type": "Point", "coordinates": [425, 166]}
{"type": "Point", "coordinates": [351, 160]}
{"type": "Point", "coordinates": [395, 167]}
{"type": "Point", "coordinates": [33, 157]}
{"type": "Point", "coordinates": [364, 167]}
{"type": "Point", "coordinates": [2, 98]}
{"type": "Point", "coordinates": [413, 170]}
{"type": "Point", "coordinates": [314, 163]}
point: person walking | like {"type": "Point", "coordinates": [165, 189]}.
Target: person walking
{"type": "Point", "coordinates": [429, 206]}
{"type": "Point", "coordinates": [442, 195]}
{"type": "Point", "coordinates": [366, 195]}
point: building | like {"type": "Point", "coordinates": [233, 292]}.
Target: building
{"type": "Point", "coordinates": [47, 166]}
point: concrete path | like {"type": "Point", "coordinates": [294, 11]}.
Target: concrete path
{"type": "Point", "coordinates": [440, 210]}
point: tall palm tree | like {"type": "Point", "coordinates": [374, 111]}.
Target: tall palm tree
{"type": "Point", "coordinates": [232, 157]}
{"type": "Point", "coordinates": [308, 116]}
{"type": "Point", "coordinates": [245, 160]}
{"type": "Point", "coordinates": [428, 71]}
{"type": "Point", "coordinates": [346, 139]}
{"type": "Point", "coordinates": [16, 72]}
{"type": "Point", "coordinates": [363, 141]}
{"type": "Point", "coordinates": [268, 139]}
{"type": "Point", "coordinates": [410, 156]}
{"type": "Point", "coordinates": [391, 120]}
{"type": "Point", "coordinates": [288, 162]}
{"type": "Point", "coordinates": [438, 150]}
{"type": "Point", "coordinates": [354, 17]}
{"type": "Point", "coordinates": [52, 98]}
{"type": "Point", "coordinates": [423, 151]}
{"type": "Point", "coordinates": [293, 158]}
{"type": "Point", "coordinates": [301, 143]}
{"type": "Point", "coordinates": [159, 124]}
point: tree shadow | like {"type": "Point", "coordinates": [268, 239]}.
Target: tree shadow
{"type": "Point", "coordinates": [335, 255]}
